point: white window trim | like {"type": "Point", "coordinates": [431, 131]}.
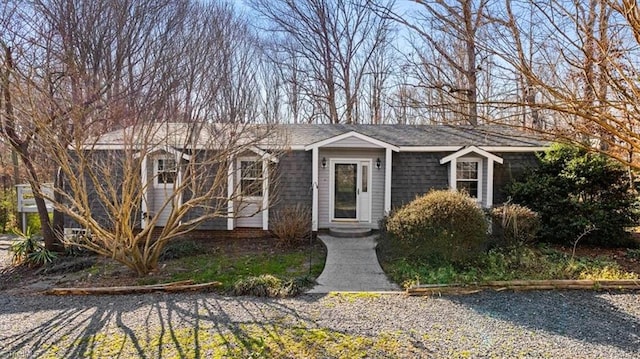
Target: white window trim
{"type": "Point", "coordinates": [264, 177]}
{"type": "Point", "coordinates": [156, 177]}
{"type": "Point", "coordinates": [479, 161]}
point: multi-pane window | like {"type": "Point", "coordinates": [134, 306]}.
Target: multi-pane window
{"type": "Point", "coordinates": [467, 177]}
{"type": "Point", "coordinates": [166, 171]}
{"type": "Point", "coordinates": [251, 178]}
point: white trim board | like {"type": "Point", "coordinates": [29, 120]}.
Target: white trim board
{"type": "Point", "coordinates": [300, 147]}
{"type": "Point", "coordinates": [165, 148]}
{"type": "Point", "coordinates": [314, 186]}
{"type": "Point", "coordinates": [355, 134]}
{"type": "Point", "coordinates": [517, 149]}
{"type": "Point", "coordinates": [468, 150]}
{"type": "Point", "coordinates": [514, 149]}
{"type": "Point", "coordinates": [486, 148]}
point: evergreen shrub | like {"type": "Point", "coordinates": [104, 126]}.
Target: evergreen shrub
{"type": "Point", "coordinates": [441, 226]}
{"type": "Point", "coordinates": [575, 192]}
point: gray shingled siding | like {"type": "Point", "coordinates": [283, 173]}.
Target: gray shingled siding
{"type": "Point", "coordinates": [353, 142]}
{"type": "Point", "coordinates": [98, 211]}
{"type": "Point", "coordinates": [415, 173]}
{"type": "Point", "coordinates": [105, 159]}
{"type": "Point", "coordinates": [291, 183]}
{"type": "Point", "coordinates": [217, 223]}
{"type": "Point", "coordinates": [513, 167]}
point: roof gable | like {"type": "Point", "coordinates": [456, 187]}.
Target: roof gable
{"type": "Point", "coordinates": [351, 134]}
{"type": "Point", "coordinates": [468, 150]}
{"type": "Point", "coordinates": [167, 149]}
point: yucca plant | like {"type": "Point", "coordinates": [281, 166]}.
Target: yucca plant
{"type": "Point", "coordinates": [28, 250]}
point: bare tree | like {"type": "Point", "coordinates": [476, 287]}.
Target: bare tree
{"type": "Point", "coordinates": [327, 47]}
{"type": "Point", "coordinates": [128, 86]}
{"type": "Point", "coordinates": [446, 53]}
{"type": "Point", "coordinates": [19, 134]}
{"type": "Point", "coordinates": [585, 76]}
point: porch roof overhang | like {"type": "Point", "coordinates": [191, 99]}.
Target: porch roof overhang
{"type": "Point", "coordinates": [471, 149]}
{"type": "Point", "coordinates": [264, 154]}
{"type": "Point", "coordinates": [327, 142]}
{"type": "Point", "coordinates": [165, 148]}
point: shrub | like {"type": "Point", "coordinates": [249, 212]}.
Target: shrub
{"type": "Point", "coordinates": [441, 225]}
{"type": "Point", "coordinates": [264, 285]}
{"type": "Point", "coordinates": [633, 253]}
{"type": "Point", "coordinates": [28, 250]}
{"type": "Point", "coordinates": [573, 190]}
{"type": "Point", "coordinates": [291, 225]}
{"type": "Point", "coordinates": [180, 249]}
{"type": "Point", "coordinates": [7, 209]}
{"type": "Point", "coordinates": [267, 285]}
{"type": "Point", "coordinates": [514, 225]}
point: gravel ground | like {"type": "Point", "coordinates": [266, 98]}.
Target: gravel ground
{"type": "Point", "coordinates": [505, 324]}
{"type": "Point", "coordinates": [549, 324]}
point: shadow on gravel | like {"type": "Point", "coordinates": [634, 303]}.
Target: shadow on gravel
{"type": "Point", "coordinates": [587, 316]}
{"type": "Point", "coordinates": [166, 325]}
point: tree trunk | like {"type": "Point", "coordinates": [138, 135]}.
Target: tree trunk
{"type": "Point", "coordinates": [58, 217]}
{"type": "Point", "coordinates": [16, 167]}
{"type": "Point", "coordinates": [471, 73]}
{"type": "Point", "coordinates": [51, 241]}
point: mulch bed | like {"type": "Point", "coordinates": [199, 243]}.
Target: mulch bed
{"type": "Point", "coordinates": [110, 273]}
{"type": "Point", "coordinates": [618, 255]}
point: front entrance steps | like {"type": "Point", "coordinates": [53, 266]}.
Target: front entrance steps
{"type": "Point", "coordinates": [350, 232]}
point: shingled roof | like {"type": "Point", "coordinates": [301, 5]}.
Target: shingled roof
{"type": "Point", "coordinates": [418, 135]}
{"type": "Point", "coordinates": [297, 135]}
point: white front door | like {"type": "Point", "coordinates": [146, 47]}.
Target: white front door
{"type": "Point", "coordinates": [351, 190]}
{"type": "Point", "coordinates": [165, 179]}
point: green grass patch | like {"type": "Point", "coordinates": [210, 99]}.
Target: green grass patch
{"type": "Point", "coordinates": [242, 341]}
{"type": "Point", "coordinates": [521, 263]}
{"type": "Point", "coordinates": [282, 272]}
{"type": "Point", "coordinates": [353, 297]}
{"type": "Point", "coordinates": [228, 269]}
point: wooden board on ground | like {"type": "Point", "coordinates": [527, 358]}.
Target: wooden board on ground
{"type": "Point", "coordinates": [521, 285]}
{"type": "Point", "coordinates": [182, 286]}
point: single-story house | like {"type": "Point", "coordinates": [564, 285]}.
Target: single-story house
{"type": "Point", "coordinates": [349, 175]}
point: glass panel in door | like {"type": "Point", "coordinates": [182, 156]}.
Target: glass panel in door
{"type": "Point", "coordinates": [364, 198]}
{"type": "Point", "coordinates": [345, 201]}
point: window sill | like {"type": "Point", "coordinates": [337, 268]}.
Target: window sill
{"type": "Point", "coordinates": [164, 185]}
{"type": "Point", "coordinates": [250, 198]}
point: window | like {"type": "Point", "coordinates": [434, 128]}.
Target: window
{"type": "Point", "coordinates": [468, 177]}
{"type": "Point", "coordinates": [251, 177]}
{"type": "Point", "coordinates": [365, 178]}
{"type": "Point", "coordinates": [166, 171]}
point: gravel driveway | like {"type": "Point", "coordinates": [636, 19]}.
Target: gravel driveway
{"type": "Point", "coordinates": [549, 324]}
{"type": "Point", "coordinates": [505, 324]}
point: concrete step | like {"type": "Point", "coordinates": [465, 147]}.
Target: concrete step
{"type": "Point", "coordinates": [350, 232]}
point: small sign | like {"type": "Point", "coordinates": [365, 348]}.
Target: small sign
{"type": "Point", "coordinates": [26, 199]}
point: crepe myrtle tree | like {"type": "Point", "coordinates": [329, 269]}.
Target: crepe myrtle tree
{"type": "Point", "coordinates": [131, 211]}
{"type": "Point", "coordinates": [76, 74]}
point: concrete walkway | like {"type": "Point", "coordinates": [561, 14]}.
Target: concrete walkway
{"type": "Point", "coordinates": [352, 266]}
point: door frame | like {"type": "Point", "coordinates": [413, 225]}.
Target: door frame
{"type": "Point", "coordinates": [332, 176]}
{"type": "Point", "coordinates": [148, 163]}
